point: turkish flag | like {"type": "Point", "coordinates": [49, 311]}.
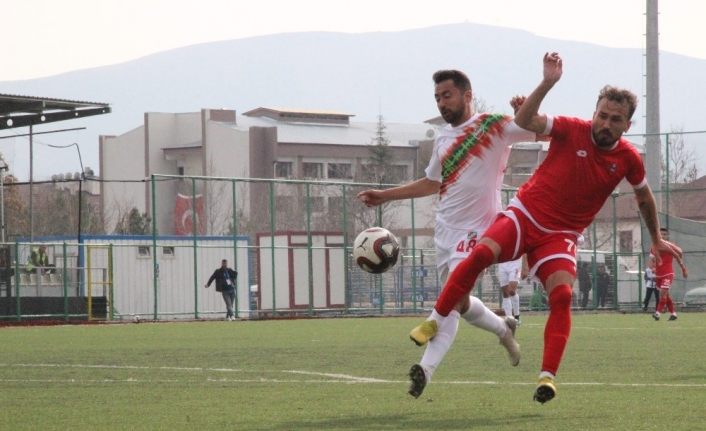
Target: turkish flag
{"type": "Point", "coordinates": [188, 210]}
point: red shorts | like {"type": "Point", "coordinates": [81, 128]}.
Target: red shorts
{"type": "Point", "coordinates": [517, 234]}
{"type": "Point", "coordinates": [664, 281]}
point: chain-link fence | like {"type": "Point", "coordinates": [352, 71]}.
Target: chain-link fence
{"type": "Point", "coordinates": [291, 244]}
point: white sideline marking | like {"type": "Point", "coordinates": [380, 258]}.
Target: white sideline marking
{"type": "Point", "coordinates": [645, 385]}
{"type": "Point", "coordinates": [331, 377]}
{"type": "Point", "coordinates": [340, 376]}
{"type": "Point", "coordinates": [82, 381]}
{"type": "Point", "coordinates": [124, 367]}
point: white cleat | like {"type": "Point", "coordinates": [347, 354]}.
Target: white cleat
{"type": "Point", "coordinates": [508, 341]}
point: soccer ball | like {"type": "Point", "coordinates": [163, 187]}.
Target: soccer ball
{"type": "Point", "coordinates": [375, 250]}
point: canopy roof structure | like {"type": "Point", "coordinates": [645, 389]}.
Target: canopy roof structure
{"type": "Point", "coordinates": [20, 111]}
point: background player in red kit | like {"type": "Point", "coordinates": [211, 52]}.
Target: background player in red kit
{"type": "Point", "coordinates": [585, 162]}
{"type": "Point", "coordinates": [664, 275]}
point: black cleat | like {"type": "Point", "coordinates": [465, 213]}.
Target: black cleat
{"type": "Point", "coordinates": [673, 317]}
{"type": "Point", "coordinates": [418, 380]}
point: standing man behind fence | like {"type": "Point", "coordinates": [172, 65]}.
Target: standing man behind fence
{"type": "Point", "coordinates": [225, 283]}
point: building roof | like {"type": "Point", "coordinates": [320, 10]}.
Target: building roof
{"type": "Point", "coordinates": [301, 115]}
{"type": "Point", "coordinates": [358, 133]}
{"type": "Point", "coordinates": [19, 111]}
{"type": "Point", "coordinates": [689, 200]}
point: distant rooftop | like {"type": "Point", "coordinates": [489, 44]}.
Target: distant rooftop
{"type": "Point", "coordinates": [335, 133]}
{"type": "Point", "coordinates": [301, 115]}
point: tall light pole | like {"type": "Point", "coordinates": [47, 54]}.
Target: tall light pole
{"type": "Point", "coordinates": [653, 142]}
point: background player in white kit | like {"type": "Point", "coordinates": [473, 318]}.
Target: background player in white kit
{"type": "Point", "coordinates": [509, 275]}
{"type": "Point", "coordinates": [466, 170]}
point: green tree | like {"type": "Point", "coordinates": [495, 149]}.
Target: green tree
{"type": "Point", "coordinates": [134, 223]}
{"type": "Point", "coordinates": [380, 154]}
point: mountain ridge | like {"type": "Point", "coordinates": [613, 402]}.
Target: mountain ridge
{"type": "Point", "coordinates": [365, 74]}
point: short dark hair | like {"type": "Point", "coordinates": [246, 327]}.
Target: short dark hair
{"type": "Point", "coordinates": [619, 95]}
{"type": "Point", "coordinates": [459, 78]}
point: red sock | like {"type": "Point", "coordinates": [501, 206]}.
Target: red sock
{"type": "Point", "coordinates": [463, 278]}
{"type": "Point", "coordinates": [556, 332]}
{"type": "Point", "coordinates": [662, 303]}
{"type": "Point", "coordinates": [670, 305]}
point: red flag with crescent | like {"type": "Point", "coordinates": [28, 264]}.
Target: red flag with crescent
{"type": "Point", "coordinates": [187, 211]}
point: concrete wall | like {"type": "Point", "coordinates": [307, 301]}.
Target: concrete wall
{"type": "Point", "coordinates": [122, 158]}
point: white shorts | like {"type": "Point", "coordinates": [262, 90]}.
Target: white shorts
{"type": "Point", "coordinates": [509, 271]}
{"type": "Point", "coordinates": [452, 246]}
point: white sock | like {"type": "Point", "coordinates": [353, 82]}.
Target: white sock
{"type": "Point", "coordinates": [546, 374]}
{"type": "Point", "coordinates": [438, 317]}
{"type": "Point", "coordinates": [481, 316]}
{"type": "Point", "coordinates": [507, 306]}
{"type": "Point", "coordinates": [439, 345]}
{"type": "Point", "coordinates": [515, 299]}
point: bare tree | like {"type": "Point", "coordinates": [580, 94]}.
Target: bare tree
{"type": "Point", "coordinates": [680, 163]}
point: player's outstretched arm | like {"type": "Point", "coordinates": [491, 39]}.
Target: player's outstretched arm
{"type": "Point", "coordinates": [527, 116]}
{"type": "Point", "coordinates": [648, 210]}
{"type": "Point", "coordinates": [416, 189]}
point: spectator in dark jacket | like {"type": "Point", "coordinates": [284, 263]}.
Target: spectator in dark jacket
{"type": "Point", "coordinates": [602, 285]}
{"type": "Point", "coordinates": [585, 285]}
{"type": "Point", "coordinates": [225, 283]}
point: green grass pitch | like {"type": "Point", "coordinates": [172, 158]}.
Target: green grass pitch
{"type": "Point", "coordinates": [620, 372]}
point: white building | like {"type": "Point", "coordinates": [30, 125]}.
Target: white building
{"type": "Point", "coordinates": [261, 143]}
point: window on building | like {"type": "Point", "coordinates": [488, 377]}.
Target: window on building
{"type": "Point", "coordinates": [168, 251]}
{"type": "Point", "coordinates": [313, 170]}
{"type": "Point", "coordinates": [283, 169]}
{"type": "Point", "coordinates": [367, 173]}
{"type": "Point", "coordinates": [340, 171]}
{"type": "Point", "coordinates": [625, 237]}
{"type": "Point", "coordinates": [398, 173]}
{"type": "Point", "coordinates": [143, 251]}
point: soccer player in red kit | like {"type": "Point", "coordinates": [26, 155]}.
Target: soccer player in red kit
{"type": "Point", "coordinates": [585, 162]}
{"type": "Point", "coordinates": [664, 275]}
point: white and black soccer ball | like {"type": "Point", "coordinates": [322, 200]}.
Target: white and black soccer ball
{"type": "Point", "coordinates": [375, 250]}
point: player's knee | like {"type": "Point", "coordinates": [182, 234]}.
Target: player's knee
{"type": "Point", "coordinates": [560, 297]}
{"type": "Point", "coordinates": [480, 258]}
{"type": "Point", "coordinates": [483, 251]}
{"type": "Point", "coordinates": [463, 305]}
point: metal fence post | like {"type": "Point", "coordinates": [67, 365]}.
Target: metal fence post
{"type": "Point", "coordinates": [18, 302]}
{"type": "Point", "coordinates": [309, 245]}
{"type": "Point", "coordinates": [65, 286]}
{"type": "Point", "coordinates": [194, 234]}
{"type": "Point", "coordinates": [235, 247]}
{"type": "Point", "coordinates": [155, 265]}
{"type": "Point", "coordinates": [272, 245]}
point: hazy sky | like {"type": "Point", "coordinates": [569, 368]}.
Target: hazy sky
{"type": "Point", "coordinates": [47, 37]}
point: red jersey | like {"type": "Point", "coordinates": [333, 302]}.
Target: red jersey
{"type": "Point", "coordinates": [574, 181]}
{"type": "Point", "coordinates": [666, 267]}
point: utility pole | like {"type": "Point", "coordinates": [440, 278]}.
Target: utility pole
{"type": "Point", "coordinates": [653, 144]}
